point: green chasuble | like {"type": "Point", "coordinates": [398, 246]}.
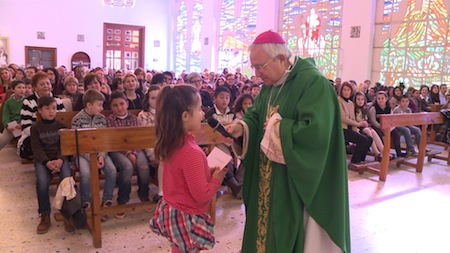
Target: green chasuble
{"type": "Point", "coordinates": [315, 177]}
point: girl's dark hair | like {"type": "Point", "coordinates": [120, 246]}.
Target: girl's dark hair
{"type": "Point", "coordinates": [145, 104]}
{"type": "Point", "coordinates": [240, 100]}
{"type": "Point", "coordinates": [434, 96]}
{"type": "Point", "coordinates": [381, 92]}
{"type": "Point", "coordinates": [395, 96]}
{"type": "Point", "coordinates": [172, 102]}
{"type": "Point", "coordinates": [362, 108]}
{"type": "Point", "coordinates": [23, 72]}
{"type": "Point", "coordinates": [115, 83]}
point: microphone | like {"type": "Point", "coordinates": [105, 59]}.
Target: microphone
{"type": "Point", "coordinates": [215, 124]}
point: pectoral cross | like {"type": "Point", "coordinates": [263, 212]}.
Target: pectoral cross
{"type": "Point", "coordinates": [271, 110]}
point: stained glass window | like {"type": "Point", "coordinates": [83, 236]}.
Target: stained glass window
{"type": "Point", "coordinates": [188, 42]}
{"type": "Point", "coordinates": [196, 43]}
{"type": "Point", "coordinates": [237, 29]}
{"type": "Point", "coordinates": [410, 42]}
{"type": "Point", "coordinates": [181, 37]}
{"type": "Point", "coordinates": [312, 29]}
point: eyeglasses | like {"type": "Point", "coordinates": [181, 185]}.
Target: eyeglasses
{"type": "Point", "coordinates": [261, 67]}
{"type": "Point", "coordinates": [197, 81]}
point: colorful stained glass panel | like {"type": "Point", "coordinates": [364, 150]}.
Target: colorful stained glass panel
{"type": "Point", "coordinates": [312, 29]}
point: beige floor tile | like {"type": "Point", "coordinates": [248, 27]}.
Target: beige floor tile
{"type": "Point", "coordinates": [407, 213]}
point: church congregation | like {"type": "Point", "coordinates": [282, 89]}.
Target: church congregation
{"type": "Point", "coordinates": [298, 136]}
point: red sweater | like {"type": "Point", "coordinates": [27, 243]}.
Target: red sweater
{"type": "Point", "coordinates": [187, 181]}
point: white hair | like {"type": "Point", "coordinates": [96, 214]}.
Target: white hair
{"type": "Point", "coordinates": [191, 76]}
{"type": "Point", "coordinates": [273, 49]}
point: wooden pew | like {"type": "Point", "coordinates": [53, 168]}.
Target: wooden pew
{"type": "Point", "coordinates": [436, 108]}
{"type": "Point", "coordinates": [93, 141]}
{"type": "Point", "coordinates": [66, 117]}
{"type": "Point", "coordinates": [389, 121]}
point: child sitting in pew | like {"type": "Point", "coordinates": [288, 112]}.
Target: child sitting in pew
{"type": "Point", "coordinates": [407, 131]}
{"type": "Point", "coordinates": [11, 113]}
{"type": "Point", "coordinates": [146, 117]}
{"type": "Point", "coordinates": [127, 160]}
{"type": "Point", "coordinates": [222, 113]}
{"type": "Point", "coordinates": [91, 117]}
{"type": "Point", "coordinates": [45, 143]}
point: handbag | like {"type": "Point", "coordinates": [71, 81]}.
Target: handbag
{"type": "Point", "coordinates": [73, 211]}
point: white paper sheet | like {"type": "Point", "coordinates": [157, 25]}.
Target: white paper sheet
{"type": "Point", "coordinates": [218, 158]}
{"type": "Point", "coordinates": [16, 132]}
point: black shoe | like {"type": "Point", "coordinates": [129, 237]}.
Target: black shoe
{"type": "Point", "coordinates": [402, 154]}
{"type": "Point", "coordinates": [234, 186]}
{"type": "Point", "coordinates": [378, 158]}
{"type": "Point", "coordinates": [157, 198]}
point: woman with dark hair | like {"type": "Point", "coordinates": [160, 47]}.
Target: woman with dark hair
{"type": "Point", "coordinates": [381, 106]}
{"type": "Point", "coordinates": [434, 94]}
{"type": "Point", "coordinates": [219, 82]}
{"type": "Point", "coordinates": [141, 87]}
{"type": "Point", "coordinates": [53, 76]}
{"type": "Point", "coordinates": [396, 97]}
{"type": "Point", "coordinates": [104, 86]}
{"type": "Point", "coordinates": [117, 84]}
{"type": "Point", "coordinates": [424, 98]}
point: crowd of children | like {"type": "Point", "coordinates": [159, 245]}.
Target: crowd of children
{"type": "Point", "coordinates": [362, 126]}
{"type": "Point", "coordinates": [38, 139]}
{"type": "Point", "coordinates": [188, 183]}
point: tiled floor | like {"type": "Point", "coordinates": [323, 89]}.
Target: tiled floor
{"type": "Point", "coordinates": [410, 212]}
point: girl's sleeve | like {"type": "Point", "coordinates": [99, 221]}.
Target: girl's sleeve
{"type": "Point", "coordinates": [195, 169]}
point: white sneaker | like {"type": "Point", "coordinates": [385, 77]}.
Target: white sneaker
{"type": "Point", "coordinates": [107, 203]}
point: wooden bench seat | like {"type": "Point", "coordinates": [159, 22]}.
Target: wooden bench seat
{"type": "Point", "coordinates": [438, 155]}
{"type": "Point", "coordinates": [92, 141]}
{"type": "Point", "coordinates": [389, 121]}
{"type": "Point", "coordinates": [66, 119]}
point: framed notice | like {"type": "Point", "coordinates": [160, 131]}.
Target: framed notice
{"type": "Point", "coordinates": [355, 32]}
{"type": "Point", "coordinates": [4, 51]}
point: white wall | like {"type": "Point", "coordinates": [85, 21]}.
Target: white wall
{"type": "Point", "coordinates": [62, 20]}
{"type": "Point", "coordinates": [356, 54]}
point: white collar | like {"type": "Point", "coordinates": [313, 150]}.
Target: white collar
{"type": "Point", "coordinates": [292, 62]}
{"type": "Point", "coordinates": [218, 111]}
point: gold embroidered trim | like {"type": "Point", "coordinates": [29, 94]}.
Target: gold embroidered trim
{"type": "Point", "coordinates": [265, 174]}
